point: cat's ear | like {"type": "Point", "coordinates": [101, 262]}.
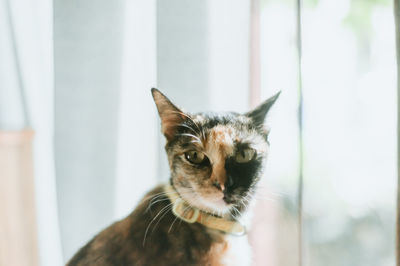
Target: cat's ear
{"type": "Point", "coordinates": [171, 116]}
{"type": "Point", "coordinates": [260, 112]}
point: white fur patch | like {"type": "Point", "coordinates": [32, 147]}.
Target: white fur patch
{"type": "Point", "coordinates": [238, 253]}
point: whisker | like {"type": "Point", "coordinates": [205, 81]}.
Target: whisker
{"type": "Point", "coordinates": [189, 127]}
{"type": "Point", "coordinates": [147, 229]}
{"type": "Point", "coordinates": [184, 211]}
{"type": "Point", "coordinates": [165, 212]}
{"type": "Point", "coordinates": [184, 214]}
{"type": "Point", "coordinates": [150, 196]}
{"type": "Point", "coordinates": [191, 119]}
{"type": "Point", "coordinates": [190, 135]}
{"type": "Point", "coordinates": [155, 197]}
{"type": "Point", "coordinates": [153, 203]}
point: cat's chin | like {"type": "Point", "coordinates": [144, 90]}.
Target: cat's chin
{"type": "Point", "coordinates": [212, 205]}
{"type": "Point", "coordinates": [219, 207]}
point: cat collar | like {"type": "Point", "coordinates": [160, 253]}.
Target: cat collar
{"type": "Point", "coordinates": [190, 214]}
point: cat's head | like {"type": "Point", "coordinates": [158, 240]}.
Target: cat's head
{"type": "Point", "coordinates": [216, 160]}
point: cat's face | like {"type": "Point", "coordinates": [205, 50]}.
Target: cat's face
{"type": "Point", "coordinates": [216, 160]}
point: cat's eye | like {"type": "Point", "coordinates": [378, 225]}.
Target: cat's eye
{"type": "Point", "coordinates": [244, 156]}
{"type": "Point", "coordinates": [195, 157]}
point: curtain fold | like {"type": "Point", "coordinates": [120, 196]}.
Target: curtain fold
{"type": "Point", "coordinates": [87, 77]}
{"type": "Point", "coordinates": [137, 146]}
{"type": "Point", "coordinates": [105, 119]}
{"type": "Point", "coordinates": [396, 9]}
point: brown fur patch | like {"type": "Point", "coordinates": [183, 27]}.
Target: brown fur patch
{"type": "Point", "coordinates": [219, 144]}
{"type": "Point", "coordinates": [219, 173]}
{"type": "Point", "coordinates": [217, 252]}
{"type": "Point", "coordinates": [170, 115]}
{"type": "Point", "coordinates": [222, 137]}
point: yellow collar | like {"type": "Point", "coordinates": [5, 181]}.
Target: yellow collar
{"type": "Point", "coordinates": [189, 214]}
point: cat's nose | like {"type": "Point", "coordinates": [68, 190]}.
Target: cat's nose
{"type": "Point", "coordinates": [219, 186]}
{"type": "Point", "coordinates": [228, 191]}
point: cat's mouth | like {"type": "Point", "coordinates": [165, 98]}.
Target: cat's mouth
{"type": "Point", "coordinates": [210, 200]}
{"type": "Point", "coordinates": [212, 203]}
{"type": "Point", "coordinates": [229, 199]}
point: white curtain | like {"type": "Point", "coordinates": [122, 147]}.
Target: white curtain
{"type": "Point", "coordinates": [88, 67]}
{"type": "Point", "coordinates": [32, 21]}
{"type": "Point", "coordinates": [105, 126]}
{"type": "Point", "coordinates": [96, 90]}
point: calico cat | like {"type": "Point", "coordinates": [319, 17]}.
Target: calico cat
{"type": "Point", "coordinates": [216, 161]}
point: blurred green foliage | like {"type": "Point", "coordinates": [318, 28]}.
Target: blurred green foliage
{"type": "Point", "coordinates": [359, 17]}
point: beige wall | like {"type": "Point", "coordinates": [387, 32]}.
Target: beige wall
{"type": "Point", "coordinates": [18, 237]}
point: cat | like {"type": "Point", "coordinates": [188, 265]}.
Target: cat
{"type": "Point", "coordinates": [199, 218]}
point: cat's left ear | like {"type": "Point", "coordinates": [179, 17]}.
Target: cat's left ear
{"type": "Point", "coordinates": [171, 116]}
{"type": "Point", "coordinates": [260, 112]}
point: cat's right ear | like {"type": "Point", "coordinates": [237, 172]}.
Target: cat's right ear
{"type": "Point", "coordinates": [171, 116]}
{"type": "Point", "coordinates": [259, 113]}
